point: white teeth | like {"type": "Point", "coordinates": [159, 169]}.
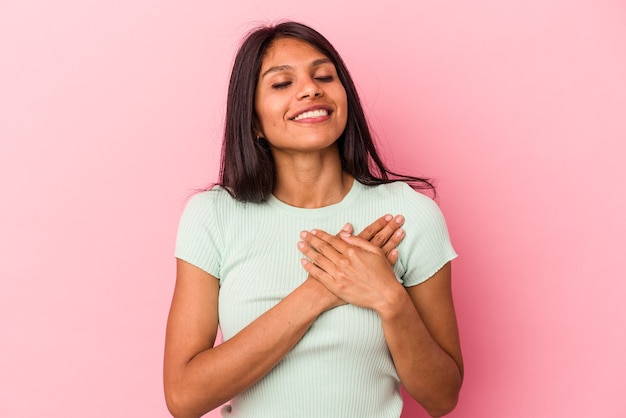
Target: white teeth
{"type": "Point", "coordinates": [312, 114]}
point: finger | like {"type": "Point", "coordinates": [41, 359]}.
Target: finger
{"type": "Point", "coordinates": [347, 228]}
{"type": "Point", "coordinates": [392, 257]}
{"type": "Point", "coordinates": [317, 273]}
{"type": "Point", "coordinates": [383, 236]}
{"type": "Point", "coordinates": [393, 241]}
{"type": "Point", "coordinates": [323, 249]}
{"type": "Point", "coordinates": [322, 261]}
{"type": "Point", "coordinates": [375, 227]}
{"type": "Point", "coordinates": [356, 241]}
{"type": "Point", "coordinates": [323, 242]}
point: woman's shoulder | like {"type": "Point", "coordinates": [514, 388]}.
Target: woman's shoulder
{"type": "Point", "coordinates": [402, 198]}
{"type": "Point", "coordinates": [212, 198]}
{"type": "Point", "coordinates": [216, 205]}
{"type": "Point", "coordinates": [401, 191]}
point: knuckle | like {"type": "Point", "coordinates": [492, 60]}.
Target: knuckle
{"type": "Point", "coordinates": [367, 232]}
{"type": "Point", "coordinates": [316, 258]}
{"type": "Point", "coordinates": [350, 252]}
{"type": "Point", "coordinates": [321, 234]}
{"type": "Point", "coordinates": [323, 247]}
{"type": "Point", "coordinates": [388, 231]}
{"type": "Point", "coordinates": [378, 240]}
{"type": "Point", "coordinates": [340, 281]}
{"type": "Point", "coordinates": [393, 242]}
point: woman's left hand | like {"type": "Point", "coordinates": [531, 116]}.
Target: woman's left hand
{"type": "Point", "coordinates": [419, 323]}
{"type": "Point", "coordinates": [351, 267]}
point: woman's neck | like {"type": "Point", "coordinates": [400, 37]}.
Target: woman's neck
{"type": "Point", "coordinates": [311, 182]}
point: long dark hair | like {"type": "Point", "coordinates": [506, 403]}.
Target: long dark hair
{"type": "Point", "coordinates": [247, 169]}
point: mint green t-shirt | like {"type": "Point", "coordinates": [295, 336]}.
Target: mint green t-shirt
{"type": "Point", "coordinates": [342, 366]}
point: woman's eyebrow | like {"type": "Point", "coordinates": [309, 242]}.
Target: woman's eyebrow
{"type": "Point", "coordinates": [286, 67]}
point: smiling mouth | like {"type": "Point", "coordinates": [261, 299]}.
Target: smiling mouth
{"type": "Point", "coordinates": [311, 114]}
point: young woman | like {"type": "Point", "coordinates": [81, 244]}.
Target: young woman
{"type": "Point", "coordinates": [316, 321]}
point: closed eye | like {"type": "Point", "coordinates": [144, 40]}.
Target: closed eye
{"type": "Point", "coordinates": [282, 85]}
{"type": "Point", "coordinates": [325, 79]}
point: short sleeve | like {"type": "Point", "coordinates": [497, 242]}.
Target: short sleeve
{"type": "Point", "coordinates": [426, 247]}
{"type": "Point", "coordinates": [198, 241]}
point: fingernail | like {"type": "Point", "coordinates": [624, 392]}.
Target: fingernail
{"type": "Point", "coordinates": [388, 217]}
{"type": "Point", "coordinates": [300, 244]}
{"type": "Point", "coordinates": [399, 232]}
{"type": "Point", "coordinates": [303, 234]}
{"type": "Point", "coordinates": [399, 219]}
{"type": "Point", "coordinates": [346, 227]}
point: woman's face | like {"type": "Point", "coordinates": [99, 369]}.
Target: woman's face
{"type": "Point", "coordinates": [300, 103]}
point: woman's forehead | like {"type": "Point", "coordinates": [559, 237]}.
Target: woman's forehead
{"type": "Point", "coordinates": [289, 52]}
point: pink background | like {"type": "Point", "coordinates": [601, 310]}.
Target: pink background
{"type": "Point", "coordinates": [111, 115]}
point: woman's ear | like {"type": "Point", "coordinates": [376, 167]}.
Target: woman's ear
{"type": "Point", "coordinates": [258, 132]}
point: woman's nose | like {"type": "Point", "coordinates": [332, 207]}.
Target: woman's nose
{"type": "Point", "coordinates": [309, 89]}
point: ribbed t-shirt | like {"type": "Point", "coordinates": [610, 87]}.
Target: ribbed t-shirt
{"type": "Point", "coordinates": [342, 366]}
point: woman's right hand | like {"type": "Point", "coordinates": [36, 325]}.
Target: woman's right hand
{"type": "Point", "coordinates": [386, 233]}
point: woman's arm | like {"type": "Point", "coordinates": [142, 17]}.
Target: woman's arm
{"type": "Point", "coordinates": [422, 334]}
{"type": "Point", "coordinates": [199, 377]}
{"type": "Point", "coordinates": [418, 322]}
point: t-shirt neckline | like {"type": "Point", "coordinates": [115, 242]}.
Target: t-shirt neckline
{"type": "Point", "coordinates": [316, 213]}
